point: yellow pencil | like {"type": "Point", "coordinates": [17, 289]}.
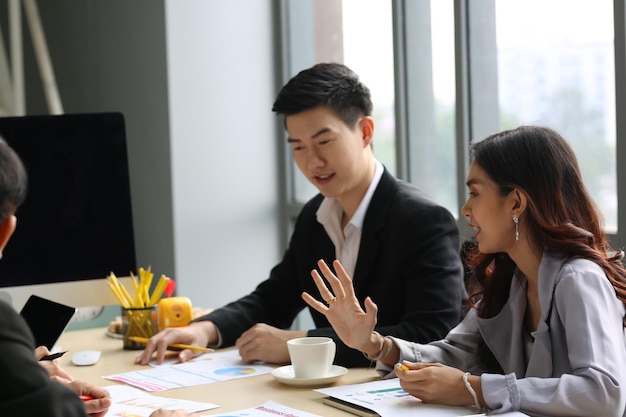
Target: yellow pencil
{"type": "Point", "coordinates": [120, 291]}
{"type": "Point", "coordinates": [158, 290]}
{"type": "Point", "coordinates": [174, 345]}
{"type": "Point", "coordinates": [137, 286]}
{"type": "Point", "coordinates": [118, 295]}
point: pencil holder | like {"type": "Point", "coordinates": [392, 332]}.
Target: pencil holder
{"type": "Point", "coordinates": [138, 322]}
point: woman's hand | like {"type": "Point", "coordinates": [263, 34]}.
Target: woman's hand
{"type": "Point", "coordinates": [342, 309]}
{"type": "Point", "coordinates": [100, 400]}
{"type": "Point", "coordinates": [434, 383]}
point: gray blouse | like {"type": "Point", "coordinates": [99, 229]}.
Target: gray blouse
{"type": "Point", "coordinates": [576, 365]}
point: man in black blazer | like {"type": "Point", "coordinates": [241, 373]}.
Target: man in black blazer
{"type": "Point", "coordinates": [400, 247]}
{"type": "Point", "coordinates": [28, 390]}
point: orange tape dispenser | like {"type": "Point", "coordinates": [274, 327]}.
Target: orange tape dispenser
{"type": "Point", "coordinates": [174, 312]}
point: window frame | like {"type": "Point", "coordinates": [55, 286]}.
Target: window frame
{"type": "Point", "coordinates": [475, 116]}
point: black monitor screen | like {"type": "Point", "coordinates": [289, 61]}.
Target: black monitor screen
{"type": "Point", "coordinates": [76, 222]}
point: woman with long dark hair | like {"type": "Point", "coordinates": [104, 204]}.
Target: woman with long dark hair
{"type": "Point", "coordinates": [545, 334]}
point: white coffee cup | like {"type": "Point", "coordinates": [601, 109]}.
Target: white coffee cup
{"type": "Point", "coordinates": [311, 357]}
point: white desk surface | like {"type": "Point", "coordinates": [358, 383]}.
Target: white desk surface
{"type": "Point", "coordinates": [230, 395]}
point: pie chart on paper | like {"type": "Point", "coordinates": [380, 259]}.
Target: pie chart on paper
{"type": "Point", "coordinates": [236, 371]}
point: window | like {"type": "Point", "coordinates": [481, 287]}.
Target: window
{"type": "Point", "coordinates": [358, 34]}
{"type": "Point", "coordinates": [428, 98]}
{"type": "Point", "coordinates": [564, 79]}
{"type": "Point", "coordinates": [460, 70]}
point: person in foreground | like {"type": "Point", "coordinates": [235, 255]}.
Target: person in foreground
{"type": "Point", "coordinates": [31, 388]}
{"type": "Point", "coordinates": [547, 335]}
{"type": "Point", "coordinates": [389, 235]}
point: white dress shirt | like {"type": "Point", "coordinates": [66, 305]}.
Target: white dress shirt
{"type": "Point", "coordinates": [348, 240]}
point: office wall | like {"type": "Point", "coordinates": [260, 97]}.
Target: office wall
{"type": "Point", "coordinates": [223, 149]}
{"type": "Point", "coordinates": [195, 81]}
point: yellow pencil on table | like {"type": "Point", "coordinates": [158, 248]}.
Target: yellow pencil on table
{"type": "Point", "coordinates": [174, 345]}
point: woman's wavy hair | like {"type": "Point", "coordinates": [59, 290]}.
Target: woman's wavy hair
{"type": "Point", "coordinates": [560, 216]}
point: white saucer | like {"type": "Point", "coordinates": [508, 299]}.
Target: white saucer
{"type": "Point", "coordinates": [285, 375]}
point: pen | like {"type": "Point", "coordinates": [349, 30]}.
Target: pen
{"type": "Point", "coordinates": [404, 367]}
{"type": "Point", "coordinates": [174, 345]}
{"type": "Point", "coordinates": [53, 356]}
{"type": "Point", "coordinates": [85, 397]}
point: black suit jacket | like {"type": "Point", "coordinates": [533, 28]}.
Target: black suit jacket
{"type": "Point", "coordinates": [408, 263]}
{"type": "Point", "coordinates": [27, 390]}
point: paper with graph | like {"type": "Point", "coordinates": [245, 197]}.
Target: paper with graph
{"type": "Point", "coordinates": [133, 402]}
{"type": "Point", "coordinates": [204, 369]}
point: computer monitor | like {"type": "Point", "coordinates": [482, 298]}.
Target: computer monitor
{"type": "Point", "coordinates": [76, 225]}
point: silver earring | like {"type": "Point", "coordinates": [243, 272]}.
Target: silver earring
{"type": "Point", "coordinates": [516, 221]}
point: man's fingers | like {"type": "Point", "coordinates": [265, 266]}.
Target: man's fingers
{"type": "Point", "coordinates": [98, 405]}
{"type": "Point", "coordinates": [185, 355]}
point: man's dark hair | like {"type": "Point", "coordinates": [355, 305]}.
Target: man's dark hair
{"type": "Point", "coordinates": [328, 84]}
{"type": "Point", "coordinates": [13, 181]}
